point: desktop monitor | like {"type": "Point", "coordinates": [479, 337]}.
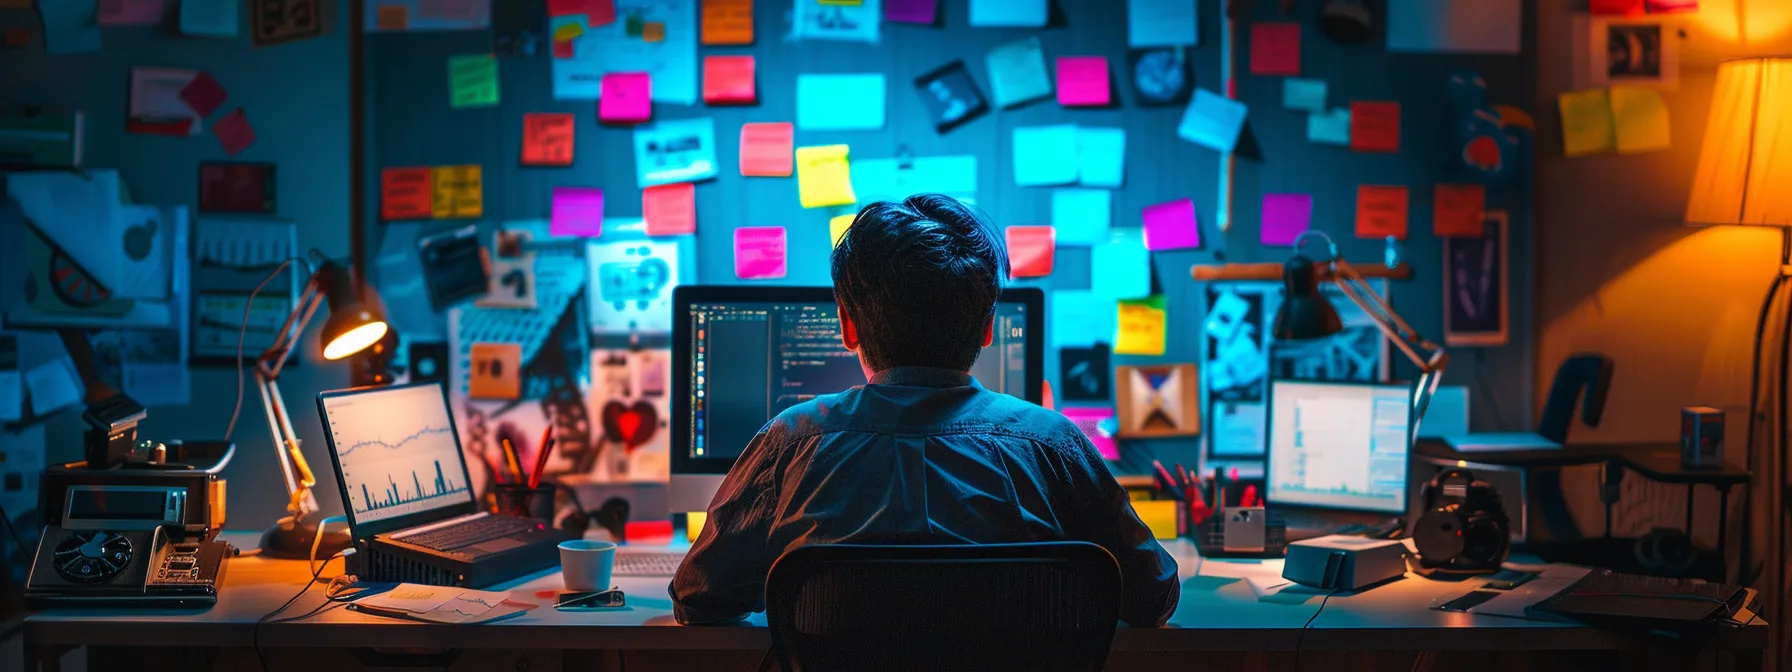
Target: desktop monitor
{"type": "Point", "coordinates": [743, 354]}
{"type": "Point", "coordinates": [1339, 446]}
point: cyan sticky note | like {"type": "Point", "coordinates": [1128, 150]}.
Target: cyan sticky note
{"type": "Point", "coordinates": [205, 18]}
{"type": "Point", "coordinates": [1080, 319]}
{"type": "Point", "coordinates": [1010, 13]}
{"type": "Point", "coordinates": [852, 102]}
{"type": "Point", "coordinates": [1121, 267]}
{"type": "Point", "coordinates": [1212, 121]}
{"type": "Point", "coordinates": [1307, 95]}
{"type": "Point", "coordinates": [1102, 153]}
{"type": "Point", "coordinates": [1329, 128]}
{"type": "Point", "coordinates": [69, 26]}
{"type": "Point", "coordinates": [1082, 216]}
{"type": "Point", "coordinates": [1017, 72]}
{"type": "Point", "coordinates": [1040, 153]}
{"type": "Point", "coordinates": [1171, 226]}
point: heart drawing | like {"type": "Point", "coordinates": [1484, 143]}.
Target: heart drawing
{"type": "Point", "coordinates": [631, 425]}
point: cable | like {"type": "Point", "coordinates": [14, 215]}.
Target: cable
{"type": "Point", "coordinates": [1302, 638]}
{"type": "Point", "coordinates": [230, 430]}
{"type": "Point", "coordinates": [255, 637]}
{"type": "Point", "coordinates": [317, 539]}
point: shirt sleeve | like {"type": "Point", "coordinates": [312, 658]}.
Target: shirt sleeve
{"type": "Point", "coordinates": [1104, 516]}
{"type": "Point", "coordinates": [722, 578]}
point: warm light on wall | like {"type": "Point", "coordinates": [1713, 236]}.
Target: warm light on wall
{"type": "Point", "coordinates": [1745, 164]}
{"type": "Point", "coordinates": [1745, 22]}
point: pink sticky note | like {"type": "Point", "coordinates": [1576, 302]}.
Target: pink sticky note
{"type": "Point", "coordinates": [1030, 250]}
{"type": "Point", "coordinates": [1083, 81]}
{"type": "Point", "coordinates": [204, 94]}
{"type": "Point", "coordinates": [1089, 421]}
{"type": "Point", "coordinates": [578, 211]}
{"type": "Point", "coordinates": [234, 132]}
{"type": "Point", "coordinates": [1275, 48]}
{"type": "Point", "coordinates": [627, 97]}
{"type": "Point", "coordinates": [129, 12]}
{"type": "Point", "coordinates": [597, 12]}
{"type": "Point", "coordinates": [911, 11]}
{"type": "Point", "coordinates": [759, 252]}
{"type": "Point", "coordinates": [563, 49]}
{"type": "Point", "coordinates": [1171, 226]}
{"type": "Point", "coordinates": [1285, 217]}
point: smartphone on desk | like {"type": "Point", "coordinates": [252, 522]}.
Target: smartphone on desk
{"type": "Point", "coordinates": [598, 601]}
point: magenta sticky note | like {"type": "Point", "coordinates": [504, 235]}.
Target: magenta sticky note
{"type": "Point", "coordinates": [1285, 217]}
{"type": "Point", "coordinates": [911, 11]}
{"type": "Point", "coordinates": [204, 94]}
{"type": "Point", "coordinates": [1083, 81]}
{"type": "Point", "coordinates": [1089, 421]}
{"type": "Point", "coordinates": [234, 132]}
{"type": "Point", "coordinates": [578, 211]}
{"type": "Point", "coordinates": [759, 252]}
{"type": "Point", "coordinates": [1171, 226]}
{"type": "Point", "coordinates": [627, 97]}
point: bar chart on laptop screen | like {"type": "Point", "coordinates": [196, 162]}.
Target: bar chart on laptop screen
{"type": "Point", "coordinates": [398, 452]}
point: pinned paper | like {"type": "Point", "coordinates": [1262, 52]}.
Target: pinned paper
{"type": "Point", "coordinates": [1082, 216]}
{"type": "Point", "coordinates": [1329, 128]}
{"type": "Point", "coordinates": [52, 386]}
{"type": "Point", "coordinates": [1102, 155]}
{"type": "Point", "coordinates": [1285, 217]}
{"type": "Point", "coordinates": [727, 22]}
{"type": "Point", "coordinates": [204, 94]}
{"type": "Point", "coordinates": [1275, 48]}
{"type": "Point", "coordinates": [1212, 121]}
{"type": "Point", "coordinates": [1306, 95]}
{"type": "Point", "coordinates": [472, 81]}
{"type": "Point", "coordinates": [568, 32]}
{"type": "Point", "coordinates": [234, 132]}
{"type": "Point", "coordinates": [920, 12]}
{"type": "Point", "coordinates": [1030, 250]}
{"type": "Point", "coordinates": [457, 192]}
{"type": "Point", "coordinates": [1640, 119]}
{"type": "Point", "coordinates": [1039, 153]}
{"type": "Point", "coordinates": [627, 98]}
{"type": "Point", "coordinates": [205, 18]}
{"type": "Point", "coordinates": [495, 371]}
{"type": "Point", "coordinates": [1083, 81]}
{"type": "Point", "coordinates": [1171, 226]}
{"type": "Point", "coordinates": [547, 139]}
{"type": "Point", "coordinates": [1121, 267]}
{"type": "Point", "coordinates": [728, 79]}
{"type": "Point", "coordinates": [1010, 13]}
{"type": "Point", "coordinates": [69, 27]}
{"type": "Point", "coordinates": [1140, 326]}
{"type": "Point", "coordinates": [1587, 126]}
{"type": "Point", "coordinates": [760, 252]}
{"type": "Point", "coordinates": [1459, 210]}
{"type": "Point", "coordinates": [1380, 212]}
{"type": "Point", "coordinates": [577, 211]}
{"type": "Point", "coordinates": [125, 12]}
{"type": "Point", "coordinates": [653, 31]}
{"type": "Point", "coordinates": [852, 102]}
{"type": "Point", "coordinates": [1017, 72]}
{"type": "Point", "coordinates": [837, 226]}
{"type": "Point", "coordinates": [1161, 23]}
{"type": "Point", "coordinates": [1088, 421]}
{"type": "Point", "coordinates": [676, 150]}
{"type": "Point", "coordinates": [824, 177]}
{"type": "Point", "coordinates": [765, 149]}
{"type": "Point", "coordinates": [405, 193]}
{"type": "Point", "coordinates": [1375, 126]}
{"type": "Point", "coordinates": [1080, 318]}
{"type": "Point", "coordinates": [670, 209]}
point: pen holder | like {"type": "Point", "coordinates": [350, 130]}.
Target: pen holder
{"type": "Point", "coordinates": [522, 500]}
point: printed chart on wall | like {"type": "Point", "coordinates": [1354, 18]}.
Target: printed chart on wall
{"type": "Point", "coordinates": [620, 46]}
{"type": "Point", "coordinates": [1240, 358]}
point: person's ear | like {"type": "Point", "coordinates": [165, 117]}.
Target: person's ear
{"type": "Point", "coordinates": [989, 331]}
{"type": "Point", "coordinates": [849, 332]}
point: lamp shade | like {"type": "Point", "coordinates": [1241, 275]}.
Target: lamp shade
{"type": "Point", "coordinates": [354, 323]}
{"type": "Point", "coordinates": [1745, 163]}
{"type": "Point", "coordinates": [1304, 314]}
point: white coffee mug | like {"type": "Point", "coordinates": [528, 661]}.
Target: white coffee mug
{"type": "Point", "coordinates": [585, 565]}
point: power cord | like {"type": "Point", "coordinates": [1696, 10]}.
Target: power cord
{"type": "Point", "coordinates": [317, 570]}
{"type": "Point", "coordinates": [255, 639]}
{"type": "Point", "coordinates": [1301, 639]}
{"type": "Point", "coordinates": [242, 333]}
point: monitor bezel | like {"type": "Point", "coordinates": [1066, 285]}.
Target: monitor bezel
{"type": "Point", "coordinates": [1269, 462]}
{"type": "Point", "coordinates": [367, 529]}
{"type": "Point", "coordinates": [1031, 298]}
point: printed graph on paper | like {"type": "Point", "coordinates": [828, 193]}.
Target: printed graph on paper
{"type": "Point", "coordinates": [398, 451]}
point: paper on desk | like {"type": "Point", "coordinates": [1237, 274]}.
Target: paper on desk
{"type": "Point", "coordinates": [1161, 23]}
{"type": "Point", "coordinates": [69, 27]}
{"type": "Point", "coordinates": [1039, 153]}
{"type": "Point", "coordinates": [1307, 95]}
{"type": "Point", "coordinates": [851, 102]}
{"type": "Point", "coordinates": [1082, 216]}
{"type": "Point", "coordinates": [1017, 72]}
{"type": "Point", "coordinates": [1514, 602]}
{"type": "Point", "coordinates": [1330, 128]}
{"type": "Point", "coordinates": [1102, 154]}
{"type": "Point", "coordinates": [1212, 121]}
{"type": "Point", "coordinates": [1500, 441]}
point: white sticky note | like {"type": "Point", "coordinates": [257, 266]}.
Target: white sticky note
{"type": "Point", "coordinates": [1121, 267]}
{"type": "Point", "coordinates": [1330, 128]}
{"type": "Point", "coordinates": [1102, 155]}
{"type": "Point", "coordinates": [1161, 23]}
{"type": "Point", "coordinates": [1040, 153]}
{"type": "Point", "coordinates": [1082, 216]}
{"type": "Point", "coordinates": [1307, 95]}
{"type": "Point", "coordinates": [1017, 72]}
{"type": "Point", "coordinates": [1013, 13]}
{"type": "Point", "coordinates": [1080, 319]}
{"type": "Point", "coordinates": [1212, 121]}
{"type": "Point", "coordinates": [852, 102]}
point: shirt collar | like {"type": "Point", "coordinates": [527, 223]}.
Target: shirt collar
{"type": "Point", "coordinates": [923, 376]}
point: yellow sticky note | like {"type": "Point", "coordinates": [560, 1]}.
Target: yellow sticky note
{"type": "Point", "coordinates": [1159, 515]}
{"type": "Point", "coordinates": [1140, 326]}
{"type": "Point", "coordinates": [1641, 119]}
{"type": "Point", "coordinates": [458, 192]}
{"type": "Point", "coordinates": [693, 525]}
{"type": "Point", "coordinates": [568, 32]}
{"type": "Point", "coordinates": [1586, 122]}
{"type": "Point", "coordinates": [823, 176]}
{"type": "Point", "coordinates": [837, 227]}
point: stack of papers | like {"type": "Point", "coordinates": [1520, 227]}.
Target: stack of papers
{"type": "Point", "coordinates": [442, 604]}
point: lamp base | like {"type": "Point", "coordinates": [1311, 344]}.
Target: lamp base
{"type": "Point", "coordinates": [290, 538]}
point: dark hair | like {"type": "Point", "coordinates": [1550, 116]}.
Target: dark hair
{"type": "Point", "coordinates": [920, 279]}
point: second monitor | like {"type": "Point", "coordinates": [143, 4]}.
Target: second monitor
{"type": "Point", "coordinates": [1339, 446]}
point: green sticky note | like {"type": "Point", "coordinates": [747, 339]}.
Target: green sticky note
{"type": "Point", "coordinates": [634, 26]}
{"type": "Point", "coordinates": [1587, 126]}
{"type": "Point", "coordinates": [473, 81]}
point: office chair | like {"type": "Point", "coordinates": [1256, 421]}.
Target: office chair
{"type": "Point", "coordinates": [1588, 373]}
{"type": "Point", "coordinates": [1032, 607]}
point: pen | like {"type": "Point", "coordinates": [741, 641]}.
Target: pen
{"type": "Point", "coordinates": [1166, 482]}
{"type": "Point", "coordinates": [1182, 479]}
{"type": "Point", "coordinates": [541, 462]}
{"type": "Point", "coordinates": [510, 460]}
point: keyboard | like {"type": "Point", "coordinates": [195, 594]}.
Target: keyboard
{"type": "Point", "coordinates": [647, 564]}
{"type": "Point", "coordinates": [471, 532]}
{"type": "Point", "coordinates": [1644, 599]}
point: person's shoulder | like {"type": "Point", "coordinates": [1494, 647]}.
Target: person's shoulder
{"type": "Point", "coordinates": [1013, 414]}
{"type": "Point", "coordinates": [809, 417]}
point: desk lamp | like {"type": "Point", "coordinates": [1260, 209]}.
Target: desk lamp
{"type": "Point", "coordinates": [353, 325]}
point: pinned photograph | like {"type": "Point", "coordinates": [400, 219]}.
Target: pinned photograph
{"type": "Point", "coordinates": [950, 96]}
{"type": "Point", "coordinates": [1160, 400]}
{"type": "Point", "coordinates": [1636, 51]}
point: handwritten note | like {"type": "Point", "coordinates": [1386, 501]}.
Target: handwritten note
{"type": "Point", "coordinates": [760, 252]}
{"type": "Point", "coordinates": [1140, 326]}
{"type": "Point", "coordinates": [1275, 48]}
{"type": "Point", "coordinates": [1102, 155]}
{"type": "Point", "coordinates": [577, 211]}
{"type": "Point", "coordinates": [1285, 217]}
{"type": "Point", "coordinates": [1640, 120]}
{"type": "Point", "coordinates": [1083, 81]}
{"type": "Point", "coordinates": [670, 209]}
{"type": "Point", "coordinates": [1330, 127]}
{"type": "Point", "coordinates": [547, 139]}
{"type": "Point", "coordinates": [849, 102]}
{"type": "Point", "coordinates": [837, 226]}
{"type": "Point", "coordinates": [1017, 72]}
{"type": "Point", "coordinates": [1306, 95]}
{"type": "Point", "coordinates": [727, 22]}
{"type": "Point", "coordinates": [1458, 210]}
{"type": "Point", "coordinates": [1171, 226]}
{"type": "Point", "coordinates": [234, 132]}
{"type": "Point", "coordinates": [457, 192]}
{"type": "Point", "coordinates": [125, 12]}
{"type": "Point", "coordinates": [823, 175]}
{"type": "Point", "coordinates": [1039, 153]}
{"type": "Point", "coordinates": [1082, 216]}
{"type": "Point", "coordinates": [1380, 211]}
{"type": "Point", "coordinates": [1030, 250]}
{"type": "Point", "coordinates": [728, 79]}
{"type": "Point", "coordinates": [405, 193]}
{"type": "Point", "coordinates": [765, 149]}
{"type": "Point", "coordinates": [1212, 121]}
{"type": "Point", "coordinates": [1587, 126]}
{"type": "Point", "coordinates": [1374, 126]}
{"type": "Point", "coordinates": [1121, 267]}
{"type": "Point", "coordinates": [472, 81]}
{"type": "Point", "coordinates": [627, 97]}
{"type": "Point", "coordinates": [911, 11]}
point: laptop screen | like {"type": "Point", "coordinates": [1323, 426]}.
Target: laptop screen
{"type": "Point", "coordinates": [396, 451]}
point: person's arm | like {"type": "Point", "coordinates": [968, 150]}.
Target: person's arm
{"type": "Point", "coordinates": [1104, 516]}
{"type": "Point", "coordinates": [722, 579]}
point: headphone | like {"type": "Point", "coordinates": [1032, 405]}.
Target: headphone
{"type": "Point", "coordinates": [1464, 530]}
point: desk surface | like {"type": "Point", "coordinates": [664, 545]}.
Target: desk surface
{"type": "Point", "coordinates": [1218, 612]}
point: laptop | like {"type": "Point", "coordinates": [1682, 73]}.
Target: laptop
{"type": "Point", "coordinates": [410, 504]}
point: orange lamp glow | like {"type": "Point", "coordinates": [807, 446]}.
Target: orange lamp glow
{"type": "Point", "coordinates": [1746, 161]}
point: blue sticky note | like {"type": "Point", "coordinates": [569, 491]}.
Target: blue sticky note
{"type": "Point", "coordinates": [69, 26]}
{"type": "Point", "coordinates": [1332, 128]}
{"type": "Point", "coordinates": [1121, 267]}
{"type": "Point", "coordinates": [1011, 13]}
{"type": "Point", "coordinates": [1307, 95]}
{"type": "Point", "coordinates": [1212, 121]}
{"type": "Point", "coordinates": [1080, 318]}
{"type": "Point", "coordinates": [209, 18]}
{"type": "Point", "coordinates": [1081, 216]}
{"type": "Point", "coordinates": [840, 102]}
{"type": "Point", "coordinates": [1102, 152]}
{"type": "Point", "coordinates": [1041, 155]}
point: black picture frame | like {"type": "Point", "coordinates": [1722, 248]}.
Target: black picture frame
{"type": "Point", "coordinates": [238, 188]}
{"type": "Point", "coordinates": [950, 95]}
{"type": "Point", "coordinates": [1160, 76]}
{"type": "Point", "coordinates": [282, 21]}
{"type": "Point", "coordinates": [1477, 286]}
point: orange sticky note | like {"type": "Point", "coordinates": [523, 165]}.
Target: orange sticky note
{"type": "Point", "coordinates": [670, 209]}
{"type": "Point", "coordinates": [495, 371]}
{"type": "Point", "coordinates": [547, 139]}
{"type": "Point", "coordinates": [727, 22]}
{"type": "Point", "coordinates": [1030, 250]}
{"type": "Point", "coordinates": [1275, 48]}
{"type": "Point", "coordinates": [728, 79]}
{"type": "Point", "coordinates": [393, 17]}
{"type": "Point", "coordinates": [1458, 210]}
{"type": "Point", "coordinates": [1375, 126]}
{"type": "Point", "coordinates": [1380, 211]}
{"type": "Point", "coordinates": [767, 149]}
{"type": "Point", "coordinates": [405, 193]}
{"type": "Point", "coordinates": [653, 31]}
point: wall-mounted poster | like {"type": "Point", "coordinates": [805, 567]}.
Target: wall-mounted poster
{"type": "Point", "coordinates": [1476, 285]}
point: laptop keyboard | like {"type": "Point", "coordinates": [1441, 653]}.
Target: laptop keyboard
{"type": "Point", "coordinates": [471, 532]}
{"type": "Point", "coordinates": [647, 564]}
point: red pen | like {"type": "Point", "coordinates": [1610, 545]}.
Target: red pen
{"type": "Point", "coordinates": [1250, 496]}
